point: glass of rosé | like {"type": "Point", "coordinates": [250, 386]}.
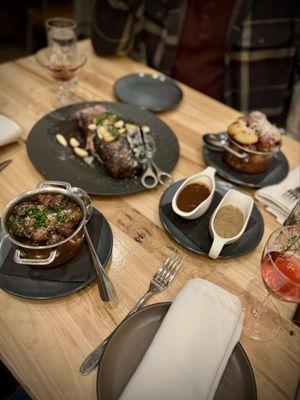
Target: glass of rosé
{"type": "Point", "coordinates": [280, 270]}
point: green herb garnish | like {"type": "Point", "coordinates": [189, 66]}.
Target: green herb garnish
{"type": "Point", "coordinates": [61, 218]}
{"type": "Point", "coordinates": [39, 215]}
{"type": "Point", "coordinates": [114, 131]}
{"type": "Point", "coordinates": [14, 223]}
{"type": "Point", "coordinates": [110, 117]}
{"type": "Point", "coordinates": [291, 246]}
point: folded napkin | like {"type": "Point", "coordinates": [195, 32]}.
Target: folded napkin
{"type": "Point", "coordinates": [9, 131]}
{"type": "Point", "coordinates": [275, 199]}
{"type": "Point", "coordinates": [190, 350]}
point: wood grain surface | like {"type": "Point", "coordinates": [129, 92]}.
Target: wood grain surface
{"type": "Point", "coordinates": [44, 342]}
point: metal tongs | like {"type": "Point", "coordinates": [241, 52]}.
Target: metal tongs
{"type": "Point", "coordinates": [143, 146]}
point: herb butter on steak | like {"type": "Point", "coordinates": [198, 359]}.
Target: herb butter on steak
{"type": "Point", "coordinates": [105, 135]}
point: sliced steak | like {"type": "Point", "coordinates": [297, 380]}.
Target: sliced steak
{"type": "Point", "coordinates": [86, 117]}
{"type": "Point", "coordinates": [117, 157]}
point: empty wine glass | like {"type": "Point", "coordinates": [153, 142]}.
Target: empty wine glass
{"type": "Point", "coordinates": [280, 270]}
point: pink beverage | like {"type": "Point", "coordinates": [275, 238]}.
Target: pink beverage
{"type": "Point", "coordinates": [281, 275]}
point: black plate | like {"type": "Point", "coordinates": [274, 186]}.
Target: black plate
{"type": "Point", "coordinates": [131, 340]}
{"type": "Point", "coordinates": [47, 289]}
{"type": "Point", "coordinates": [276, 172]}
{"type": "Point", "coordinates": [247, 242]}
{"type": "Point", "coordinates": [152, 92]}
{"type": "Point", "coordinates": [56, 162]}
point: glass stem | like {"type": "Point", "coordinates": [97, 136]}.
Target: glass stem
{"type": "Point", "coordinates": [63, 92]}
{"type": "Point", "coordinates": [260, 309]}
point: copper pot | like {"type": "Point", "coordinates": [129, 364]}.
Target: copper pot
{"type": "Point", "coordinates": [245, 160]}
{"type": "Point", "coordinates": [52, 255]}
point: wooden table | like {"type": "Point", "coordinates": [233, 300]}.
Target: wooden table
{"type": "Point", "coordinates": [44, 342]}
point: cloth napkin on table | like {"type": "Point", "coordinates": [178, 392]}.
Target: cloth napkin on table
{"type": "Point", "coordinates": [9, 131]}
{"type": "Point", "coordinates": [190, 350]}
{"type": "Point", "coordinates": [275, 199]}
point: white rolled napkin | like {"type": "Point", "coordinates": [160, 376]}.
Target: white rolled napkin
{"type": "Point", "coordinates": [275, 198]}
{"type": "Point", "coordinates": [190, 350]}
{"type": "Point", "coordinates": [10, 131]}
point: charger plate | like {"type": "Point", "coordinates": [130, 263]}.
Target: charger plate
{"type": "Point", "coordinates": [130, 342]}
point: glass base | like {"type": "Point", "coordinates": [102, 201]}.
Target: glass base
{"type": "Point", "coordinates": [64, 98]}
{"type": "Point", "coordinates": [64, 95]}
{"type": "Point", "coordinates": [262, 319]}
{"type": "Point", "coordinates": [54, 96]}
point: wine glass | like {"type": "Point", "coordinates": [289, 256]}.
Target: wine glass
{"type": "Point", "coordinates": [280, 270]}
{"type": "Point", "coordinates": [62, 39]}
{"type": "Point", "coordinates": [61, 58]}
{"type": "Point", "coordinates": [64, 72]}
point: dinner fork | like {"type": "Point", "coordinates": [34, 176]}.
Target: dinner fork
{"type": "Point", "coordinates": [160, 281]}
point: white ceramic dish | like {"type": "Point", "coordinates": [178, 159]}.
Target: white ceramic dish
{"type": "Point", "coordinates": [237, 199]}
{"type": "Point", "coordinates": [207, 176]}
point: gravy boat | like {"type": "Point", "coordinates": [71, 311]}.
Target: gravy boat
{"type": "Point", "coordinates": [239, 200]}
{"type": "Point", "coordinates": [207, 176]}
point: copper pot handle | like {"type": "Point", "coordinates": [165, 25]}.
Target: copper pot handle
{"type": "Point", "coordinates": [34, 261]}
{"type": "Point", "coordinates": [64, 185]}
{"type": "Point", "coordinates": [242, 156]}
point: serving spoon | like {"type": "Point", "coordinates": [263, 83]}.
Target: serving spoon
{"type": "Point", "coordinates": [106, 289]}
{"type": "Point", "coordinates": [219, 142]}
{"type": "Point", "coordinates": [216, 140]}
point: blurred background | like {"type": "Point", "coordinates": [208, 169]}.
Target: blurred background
{"type": "Point", "coordinates": [22, 30]}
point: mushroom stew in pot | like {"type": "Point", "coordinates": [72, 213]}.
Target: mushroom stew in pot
{"type": "Point", "coordinates": [44, 219]}
{"type": "Point", "coordinates": [45, 225]}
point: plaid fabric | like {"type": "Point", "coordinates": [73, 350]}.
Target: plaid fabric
{"type": "Point", "coordinates": [262, 51]}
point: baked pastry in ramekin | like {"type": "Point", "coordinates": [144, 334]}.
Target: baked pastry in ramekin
{"type": "Point", "coordinates": [256, 139]}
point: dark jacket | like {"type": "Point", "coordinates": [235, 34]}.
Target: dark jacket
{"type": "Point", "coordinates": [262, 53]}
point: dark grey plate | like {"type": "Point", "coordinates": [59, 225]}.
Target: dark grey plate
{"type": "Point", "coordinates": [200, 227]}
{"type": "Point", "coordinates": [152, 92]}
{"type": "Point", "coordinates": [56, 162]}
{"type": "Point", "coordinates": [276, 172]}
{"type": "Point", "coordinates": [130, 342]}
{"type": "Point", "coordinates": [46, 289]}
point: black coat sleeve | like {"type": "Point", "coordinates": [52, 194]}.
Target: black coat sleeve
{"type": "Point", "coordinates": [113, 23]}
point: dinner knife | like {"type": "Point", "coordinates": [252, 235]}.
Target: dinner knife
{"type": "Point", "coordinates": [4, 164]}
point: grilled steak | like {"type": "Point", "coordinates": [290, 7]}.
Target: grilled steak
{"type": "Point", "coordinates": [86, 117]}
{"type": "Point", "coordinates": [117, 157]}
{"type": "Point", "coordinates": [106, 139]}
